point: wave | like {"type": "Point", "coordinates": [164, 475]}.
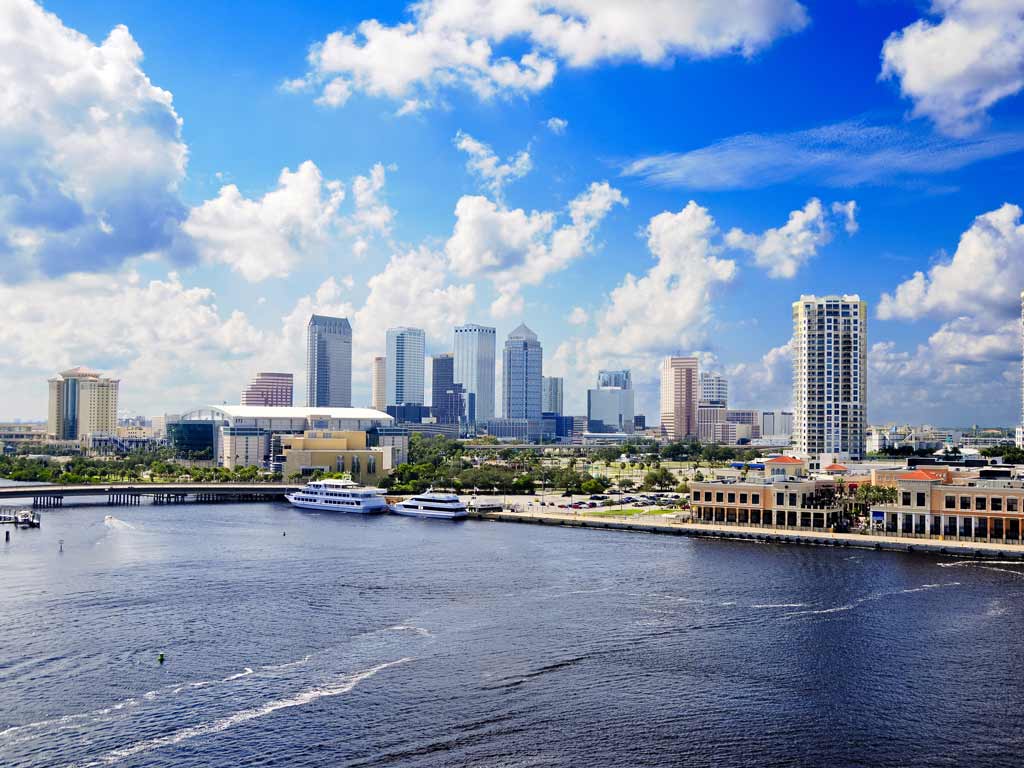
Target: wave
{"type": "Point", "coordinates": [30, 731]}
{"type": "Point", "coordinates": [410, 628]}
{"type": "Point", "coordinates": [341, 686]}
{"type": "Point", "coordinates": [288, 664]}
{"type": "Point", "coordinates": [871, 598]}
{"type": "Point", "coordinates": [982, 563]}
{"type": "Point", "coordinates": [780, 605]}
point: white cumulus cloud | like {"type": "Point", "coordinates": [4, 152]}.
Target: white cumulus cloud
{"type": "Point", "coordinates": [578, 316]}
{"type": "Point", "coordinates": [91, 154]}
{"type": "Point", "coordinates": [985, 274]}
{"type": "Point", "coordinates": [557, 125]}
{"type": "Point", "coordinates": [267, 237]}
{"type": "Point", "coordinates": [514, 248]}
{"type": "Point", "coordinates": [468, 43]}
{"type": "Point", "coordinates": [957, 64]}
{"type": "Point", "coordinates": [664, 311]}
{"type": "Point", "coordinates": [783, 250]}
{"type": "Point", "coordinates": [488, 167]}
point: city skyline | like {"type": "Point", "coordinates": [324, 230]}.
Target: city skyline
{"type": "Point", "coordinates": [208, 241]}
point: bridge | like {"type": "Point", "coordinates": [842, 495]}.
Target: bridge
{"type": "Point", "coordinates": [130, 494]}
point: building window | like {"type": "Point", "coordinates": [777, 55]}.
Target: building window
{"type": "Point", "coordinates": [719, 496]}
{"type": "Point", "coordinates": [951, 502]}
{"type": "Point", "coordinates": [732, 498]}
{"type": "Point", "coordinates": [780, 499]}
{"type": "Point", "coordinates": [755, 498]}
{"type": "Point", "coordinates": [979, 503]}
{"type": "Point", "coordinates": [965, 502]}
{"type": "Point", "coordinates": [743, 498]}
{"type": "Point", "coordinates": [905, 499]}
{"type": "Point", "coordinates": [997, 504]}
{"type": "Point", "coordinates": [921, 500]}
{"type": "Point", "coordinates": [1011, 504]}
{"type": "Point", "coordinates": [792, 499]}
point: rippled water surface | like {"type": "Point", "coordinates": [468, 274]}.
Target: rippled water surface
{"type": "Point", "coordinates": [393, 641]}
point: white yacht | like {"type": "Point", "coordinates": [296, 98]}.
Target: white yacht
{"type": "Point", "coordinates": [445, 506]}
{"type": "Point", "coordinates": [339, 496]}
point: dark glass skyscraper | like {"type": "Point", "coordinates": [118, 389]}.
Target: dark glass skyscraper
{"type": "Point", "coordinates": [328, 362]}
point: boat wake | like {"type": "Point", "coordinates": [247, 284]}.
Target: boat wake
{"type": "Point", "coordinates": [117, 525]}
{"type": "Point", "coordinates": [872, 598]}
{"type": "Point", "coordinates": [410, 628]}
{"type": "Point", "coordinates": [340, 686]}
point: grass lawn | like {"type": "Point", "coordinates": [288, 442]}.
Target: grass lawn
{"type": "Point", "coordinates": [625, 512]}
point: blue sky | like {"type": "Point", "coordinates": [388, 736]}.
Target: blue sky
{"type": "Point", "coordinates": [713, 156]}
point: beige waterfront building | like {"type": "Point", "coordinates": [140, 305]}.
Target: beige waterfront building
{"type": "Point", "coordinates": [680, 395]}
{"type": "Point", "coordinates": [336, 451]}
{"type": "Point", "coordinates": [82, 402]}
{"type": "Point", "coordinates": [830, 378]}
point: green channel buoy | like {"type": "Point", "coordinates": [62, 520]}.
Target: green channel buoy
{"type": "Point", "coordinates": [160, 658]}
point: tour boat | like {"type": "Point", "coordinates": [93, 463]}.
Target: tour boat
{"type": "Point", "coordinates": [339, 496]}
{"type": "Point", "coordinates": [445, 506]}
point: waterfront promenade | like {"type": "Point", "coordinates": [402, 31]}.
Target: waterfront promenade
{"type": "Point", "coordinates": [660, 525]}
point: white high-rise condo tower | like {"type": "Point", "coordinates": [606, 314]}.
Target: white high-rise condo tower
{"type": "Point", "coordinates": [522, 374]}
{"type": "Point", "coordinates": [1020, 427]}
{"type": "Point", "coordinates": [328, 362]}
{"type": "Point", "coordinates": [830, 378]}
{"type": "Point", "coordinates": [406, 350]}
{"type": "Point", "coordinates": [474, 368]}
{"type": "Point", "coordinates": [269, 389]}
{"type": "Point", "coordinates": [680, 395]}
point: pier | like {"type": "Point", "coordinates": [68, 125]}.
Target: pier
{"type": "Point", "coordinates": [118, 495]}
{"type": "Point", "coordinates": [820, 538]}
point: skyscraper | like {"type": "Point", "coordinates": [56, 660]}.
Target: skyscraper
{"type": "Point", "coordinates": [269, 389]}
{"type": "Point", "coordinates": [1020, 427]}
{"type": "Point", "coordinates": [552, 396]}
{"type": "Point", "coordinates": [610, 406]}
{"type": "Point", "coordinates": [442, 374]}
{"type": "Point", "coordinates": [82, 403]}
{"type": "Point", "coordinates": [447, 399]}
{"type": "Point", "coordinates": [714, 389]}
{"type": "Point", "coordinates": [620, 379]}
{"type": "Point", "coordinates": [830, 377]}
{"type": "Point", "coordinates": [328, 362]}
{"type": "Point", "coordinates": [379, 383]}
{"type": "Point", "coordinates": [680, 394]}
{"type": "Point", "coordinates": [474, 368]}
{"type": "Point", "coordinates": [405, 357]}
{"type": "Point", "coordinates": [522, 373]}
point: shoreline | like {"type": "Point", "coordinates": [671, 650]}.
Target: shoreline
{"type": "Point", "coordinates": [973, 549]}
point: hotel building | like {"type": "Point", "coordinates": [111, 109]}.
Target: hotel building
{"type": "Point", "coordinates": [82, 403]}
